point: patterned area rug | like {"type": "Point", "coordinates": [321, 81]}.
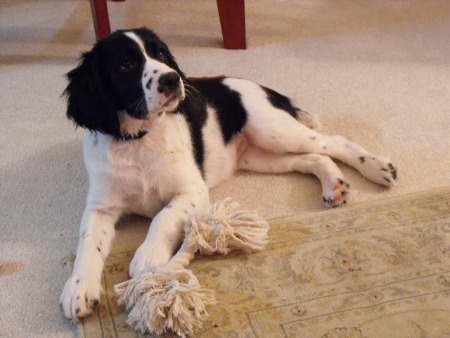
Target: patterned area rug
{"type": "Point", "coordinates": [371, 270]}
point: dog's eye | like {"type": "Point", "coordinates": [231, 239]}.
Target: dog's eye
{"type": "Point", "coordinates": [161, 56]}
{"type": "Point", "coordinates": [127, 65]}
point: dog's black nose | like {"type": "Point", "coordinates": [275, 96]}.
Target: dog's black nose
{"type": "Point", "coordinates": [168, 82]}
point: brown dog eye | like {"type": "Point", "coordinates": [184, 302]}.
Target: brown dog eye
{"type": "Point", "coordinates": [127, 65]}
{"type": "Point", "coordinates": [161, 56]}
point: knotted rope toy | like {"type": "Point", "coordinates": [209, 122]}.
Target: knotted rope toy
{"type": "Point", "coordinates": [170, 297]}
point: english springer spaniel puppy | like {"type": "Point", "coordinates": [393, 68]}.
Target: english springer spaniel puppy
{"type": "Point", "coordinates": [156, 141]}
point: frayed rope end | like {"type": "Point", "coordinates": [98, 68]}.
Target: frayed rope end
{"type": "Point", "coordinates": [225, 229]}
{"type": "Point", "coordinates": [165, 300]}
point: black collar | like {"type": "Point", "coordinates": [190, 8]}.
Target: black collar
{"type": "Point", "coordinates": [127, 136]}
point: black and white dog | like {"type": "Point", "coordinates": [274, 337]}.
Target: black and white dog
{"type": "Point", "coordinates": [157, 141]}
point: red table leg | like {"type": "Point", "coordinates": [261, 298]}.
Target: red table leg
{"type": "Point", "coordinates": [101, 18]}
{"type": "Point", "coordinates": [232, 22]}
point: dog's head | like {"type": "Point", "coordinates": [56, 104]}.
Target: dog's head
{"type": "Point", "coordinates": [130, 73]}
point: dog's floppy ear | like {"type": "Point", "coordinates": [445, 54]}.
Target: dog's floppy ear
{"type": "Point", "coordinates": [90, 103]}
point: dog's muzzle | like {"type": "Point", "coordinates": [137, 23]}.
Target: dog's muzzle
{"type": "Point", "coordinates": [168, 83]}
{"type": "Point", "coordinates": [171, 86]}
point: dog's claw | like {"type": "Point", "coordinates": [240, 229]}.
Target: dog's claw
{"type": "Point", "coordinates": [337, 195]}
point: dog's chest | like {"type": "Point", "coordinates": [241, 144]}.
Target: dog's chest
{"type": "Point", "coordinates": [144, 174]}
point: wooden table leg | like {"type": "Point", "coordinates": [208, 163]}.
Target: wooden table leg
{"type": "Point", "coordinates": [100, 17]}
{"type": "Point", "coordinates": [232, 22]}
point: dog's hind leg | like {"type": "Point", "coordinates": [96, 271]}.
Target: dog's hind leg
{"type": "Point", "coordinates": [334, 189]}
{"type": "Point", "coordinates": [275, 131]}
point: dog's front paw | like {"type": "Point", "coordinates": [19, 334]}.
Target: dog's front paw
{"type": "Point", "coordinates": [378, 169]}
{"type": "Point", "coordinates": [80, 296]}
{"type": "Point", "coordinates": [335, 193]}
{"type": "Point", "coordinates": [148, 256]}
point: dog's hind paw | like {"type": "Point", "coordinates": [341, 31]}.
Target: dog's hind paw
{"type": "Point", "coordinates": [378, 169]}
{"type": "Point", "coordinates": [337, 195]}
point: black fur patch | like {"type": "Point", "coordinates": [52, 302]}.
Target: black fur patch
{"type": "Point", "coordinates": [281, 102]}
{"type": "Point", "coordinates": [231, 113]}
{"type": "Point", "coordinates": [194, 109]}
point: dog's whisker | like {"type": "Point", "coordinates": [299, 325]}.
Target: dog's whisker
{"type": "Point", "coordinates": [193, 95]}
{"type": "Point", "coordinates": [140, 106]}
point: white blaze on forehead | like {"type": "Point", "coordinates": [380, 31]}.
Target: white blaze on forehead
{"type": "Point", "coordinates": [133, 36]}
{"type": "Point", "coordinates": [150, 63]}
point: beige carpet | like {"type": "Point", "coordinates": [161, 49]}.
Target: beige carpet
{"type": "Point", "coordinates": [377, 269]}
{"type": "Point", "coordinates": [375, 71]}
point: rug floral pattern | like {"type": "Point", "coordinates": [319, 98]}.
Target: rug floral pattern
{"type": "Point", "coordinates": [371, 270]}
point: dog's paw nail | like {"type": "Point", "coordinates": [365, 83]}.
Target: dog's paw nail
{"type": "Point", "coordinates": [337, 195]}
